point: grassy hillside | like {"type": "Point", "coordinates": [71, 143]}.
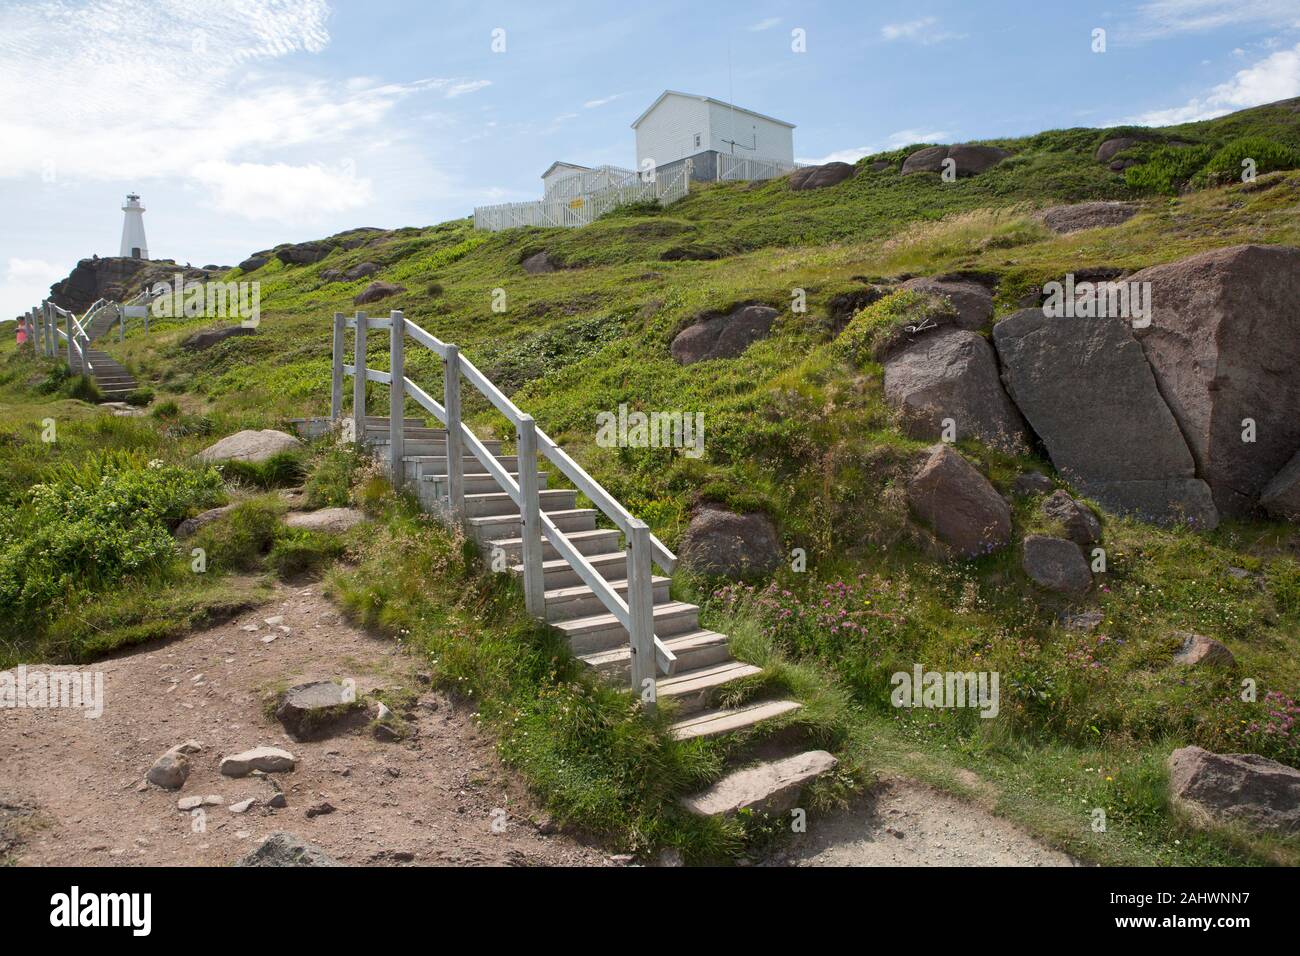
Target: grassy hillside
{"type": "Point", "coordinates": [798, 429]}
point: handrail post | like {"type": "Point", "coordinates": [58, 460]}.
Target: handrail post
{"type": "Point", "coordinates": [640, 606]}
{"type": "Point", "coordinates": [530, 518]}
{"type": "Point", "coordinates": [121, 323]}
{"type": "Point", "coordinates": [336, 378]}
{"type": "Point", "coordinates": [359, 381]}
{"type": "Point", "coordinates": [45, 328]}
{"type": "Point", "coordinates": [71, 342]}
{"type": "Point", "coordinates": [396, 396]}
{"type": "Point", "coordinates": [455, 441]}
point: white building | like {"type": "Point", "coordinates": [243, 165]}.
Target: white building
{"type": "Point", "coordinates": [557, 173]}
{"type": "Point", "coordinates": [133, 241]}
{"type": "Point", "coordinates": [681, 125]}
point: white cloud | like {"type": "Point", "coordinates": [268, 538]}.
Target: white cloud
{"type": "Point", "coordinates": [925, 31]}
{"type": "Point", "coordinates": [1161, 18]}
{"type": "Point", "coordinates": [1276, 77]}
{"type": "Point", "coordinates": [592, 104]}
{"type": "Point", "coordinates": [280, 191]}
{"type": "Point", "coordinates": [461, 87]}
{"type": "Point", "coordinates": [29, 281]}
{"type": "Point", "coordinates": [896, 140]}
{"type": "Point", "coordinates": [761, 25]}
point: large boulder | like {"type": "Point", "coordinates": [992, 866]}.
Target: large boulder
{"type": "Point", "coordinates": [539, 263]}
{"type": "Point", "coordinates": [255, 261]}
{"type": "Point", "coordinates": [304, 253]}
{"type": "Point", "coordinates": [953, 374]}
{"type": "Point", "coordinates": [1087, 215]}
{"type": "Point", "coordinates": [1281, 496]}
{"type": "Point", "coordinates": [1080, 524]}
{"type": "Point", "coordinates": [376, 291]}
{"type": "Point", "coordinates": [1235, 788]}
{"type": "Point", "coordinates": [972, 301]}
{"type": "Point", "coordinates": [733, 545]}
{"type": "Point", "coordinates": [286, 849]}
{"type": "Point", "coordinates": [251, 446]}
{"type": "Point", "coordinates": [1116, 144]}
{"type": "Point", "coordinates": [818, 177]}
{"type": "Point", "coordinates": [1056, 564]}
{"type": "Point", "coordinates": [723, 336]}
{"type": "Point", "coordinates": [959, 504]}
{"type": "Point", "coordinates": [210, 337]}
{"type": "Point", "coordinates": [1087, 391]}
{"type": "Point", "coordinates": [1224, 343]}
{"type": "Point", "coordinates": [969, 160]}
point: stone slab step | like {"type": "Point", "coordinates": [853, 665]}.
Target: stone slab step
{"type": "Point", "coordinates": [711, 723]}
{"type": "Point", "coordinates": [693, 689]}
{"type": "Point", "coordinates": [693, 649]}
{"type": "Point", "coordinates": [772, 787]}
{"type": "Point", "coordinates": [602, 632]}
{"type": "Point", "coordinates": [563, 604]}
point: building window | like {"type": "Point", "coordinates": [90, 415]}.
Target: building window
{"type": "Point", "coordinates": [697, 140]}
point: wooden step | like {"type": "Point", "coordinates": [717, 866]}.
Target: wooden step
{"type": "Point", "coordinates": [409, 432]}
{"type": "Point", "coordinates": [479, 482]}
{"type": "Point", "coordinates": [596, 541]}
{"type": "Point", "coordinates": [426, 447]}
{"type": "Point", "coordinates": [771, 787]}
{"type": "Point", "coordinates": [495, 527]}
{"type": "Point", "coordinates": [611, 566]}
{"type": "Point", "coordinates": [693, 649]}
{"type": "Point", "coordinates": [711, 723]}
{"type": "Point", "coordinates": [603, 632]}
{"type": "Point", "coordinates": [435, 466]}
{"type": "Point", "coordinates": [692, 690]}
{"type": "Point", "coordinates": [499, 503]}
{"type": "Point", "coordinates": [563, 604]}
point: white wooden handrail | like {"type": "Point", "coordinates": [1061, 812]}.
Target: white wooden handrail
{"type": "Point", "coordinates": [649, 654]}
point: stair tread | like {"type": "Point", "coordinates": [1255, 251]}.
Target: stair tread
{"type": "Point", "coordinates": [483, 520]}
{"type": "Point", "coordinates": [678, 644]}
{"type": "Point", "coordinates": [597, 621]}
{"type": "Point", "coordinates": [703, 678]}
{"type": "Point", "coordinates": [503, 495]}
{"type": "Point", "coordinates": [582, 590]}
{"type": "Point", "coordinates": [571, 535]}
{"type": "Point", "coordinates": [726, 719]}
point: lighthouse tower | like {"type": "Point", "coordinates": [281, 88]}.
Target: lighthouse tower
{"type": "Point", "coordinates": [133, 244]}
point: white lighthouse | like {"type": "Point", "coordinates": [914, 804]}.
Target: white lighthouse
{"type": "Point", "coordinates": [133, 244]}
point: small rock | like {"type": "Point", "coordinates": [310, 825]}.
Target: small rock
{"type": "Point", "coordinates": [1032, 483]}
{"type": "Point", "coordinates": [169, 771]}
{"type": "Point", "coordinates": [1056, 564]}
{"type": "Point", "coordinates": [243, 806]}
{"type": "Point", "coordinates": [671, 856]}
{"type": "Point", "coordinates": [1197, 649]}
{"type": "Point", "coordinates": [386, 733]}
{"type": "Point", "coordinates": [278, 801]}
{"type": "Point", "coordinates": [266, 759]}
{"type": "Point", "coordinates": [1083, 621]}
{"type": "Point", "coordinates": [319, 809]}
{"type": "Point", "coordinates": [286, 849]}
{"type": "Point", "coordinates": [1081, 525]}
{"type": "Point", "coordinates": [621, 859]}
{"type": "Point", "coordinates": [273, 621]}
{"type": "Point", "coordinates": [1244, 788]}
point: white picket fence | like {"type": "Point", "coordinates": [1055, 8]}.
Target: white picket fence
{"type": "Point", "coordinates": [585, 209]}
{"type": "Point", "coordinates": [590, 181]}
{"type": "Point", "coordinates": [737, 168]}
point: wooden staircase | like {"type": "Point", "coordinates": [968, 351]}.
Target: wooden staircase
{"type": "Point", "coordinates": [112, 379]}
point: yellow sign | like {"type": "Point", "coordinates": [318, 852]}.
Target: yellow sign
{"type": "Point", "coordinates": [576, 203]}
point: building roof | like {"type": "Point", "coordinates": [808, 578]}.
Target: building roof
{"type": "Point", "coordinates": [560, 162]}
{"type": "Point", "coordinates": [705, 99]}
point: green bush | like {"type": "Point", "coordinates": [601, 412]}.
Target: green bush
{"type": "Point", "coordinates": [330, 482]}
{"type": "Point", "coordinates": [1168, 169]}
{"type": "Point", "coordinates": [140, 397]}
{"type": "Point", "coordinates": [1226, 165]}
{"type": "Point", "coordinates": [879, 325]}
{"type": "Point", "coordinates": [279, 471]}
{"type": "Point", "coordinates": [238, 540]}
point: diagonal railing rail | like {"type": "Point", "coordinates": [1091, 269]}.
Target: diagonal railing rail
{"type": "Point", "coordinates": [649, 654]}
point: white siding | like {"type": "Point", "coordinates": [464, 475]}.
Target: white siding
{"type": "Point", "coordinates": [555, 175]}
{"type": "Point", "coordinates": [669, 132]}
{"type": "Point", "coordinates": [772, 140]}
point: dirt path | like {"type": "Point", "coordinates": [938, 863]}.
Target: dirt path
{"type": "Point", "coordinates": [429, 799]}
{"type": "Point", "coordinates": [905, 823]}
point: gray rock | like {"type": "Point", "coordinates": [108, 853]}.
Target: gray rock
{"type": "Point", "coordinates": [1107, 150]}
{"type": "Point", "coordinates": [334, 520]}
{"type": "Point", "coordinates": [953, 374]}
{"type": "Point", "coordinates": [319, 809]}
{"type": "Point", "coordinates": [191, 525]}
{"type": "Point", "coordinates": [819, 177]}
{"type": "Point", "coordinates": [973, 302]}
{"type": "Point", "coordinates": [286, 849]}
{"type": "Point", "coordinates": [1198, 649]}
{"type": "Point", "coordinates": [376, 291]}
{"type": "Point", "coordinates": [1081, 525]}
{"type": "Point", "coordinates": [1281, 496]}
{"type": "Point", "coordinates": [539, 263]}
{"type": "Point", "coordinates": [1087, 621]}
{"type": "Point", "coordinates": [169, 771]}
{"type": "Point", "coordinates": [317, 709]}
{"type": "Point", "coordinates": [254, 262]}
{"type": "Point", "coordinates": [1087, 215]}
{"type": "Point", "coordinates": [1224, 343]}
{"type": "Point", "coordinates": [722, 542]}
{"type": "Point", "coordinates": [304, 253]}
{"type": "Point", "coordinates": [265, 759]}
{"type": "Point", "coordinates": [1056, 564]}
{"type": "Point", "coordinates": [1032, 483]}
{"type": "Point", "coordinates": [771, 787]}
{"type": "Point", "coordinates": [250, 445]}
{"type": "Point", "coordinates": [200, 341]}
{"type": "Point", "coordinates": [970, 160]}
{"type": "Point", "coordinates": [243, 806]}
{"type": "Point", "coordinates": [1235, 788]}
{"type": "Point", "coordinates": [1086, 389]}
{"type": "Point", "coordinates": [723, 336]}
{"type": "Point", "coordinates": [959, 504]}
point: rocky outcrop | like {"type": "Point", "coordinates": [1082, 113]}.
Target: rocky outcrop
{"type": "Point", "coordinates": [362, 270]}
{"type": "Point", "coordinates": [733, 545]}
{"type": "Point", "coordinates": [539, 263]}
{"type": "Point", "coordinates": [286, 849]}
{"type": "Point", "coordinates": [250, 445]}
{"type": "Point", "coordinates": [1080, 524]}
{"type": "Point", "coordinates": [118, 279]}
{"type": "Point", "coordinates": [723, 336]}
{"type": "Point", "coordinates": [1235, 788]}
{"type": "Point", "coordinates": [953, 374]}
{"type": "Point", "coordinates": [210, 337]}
{"type": "Point", "coordinates": [1224, 343]}
{"type": "Point", "coordinates": [304, 253]}
{"type": "Point", "coordinates": [1085, 388]}
{"type": "Point", "coordinates": [255, 261]}
{"type": "Point", "coordinates": [1056, 564]}
{"type": "Point", "coordinates": [1087, 215]}
{"type": "Point", "coordinates": [964, 510]}
{"type": "Point", "coordinates": [1197, 649]}
{"type": "Point", "coordinates": [376, 291]}
{"type": "Point", "coordinates": [973, 302]}
{"type": "Point", "coordinates": [819, 177]}
{"type": "Point", "coordinates": [1107, 151]}
{"type": "Point", "coordinates": [969, 160]}
{"type": "Point", "coordinates": [1281, 496]}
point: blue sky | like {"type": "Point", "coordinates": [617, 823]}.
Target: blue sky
{"type": "Point", "coordinates": [245, 123]}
